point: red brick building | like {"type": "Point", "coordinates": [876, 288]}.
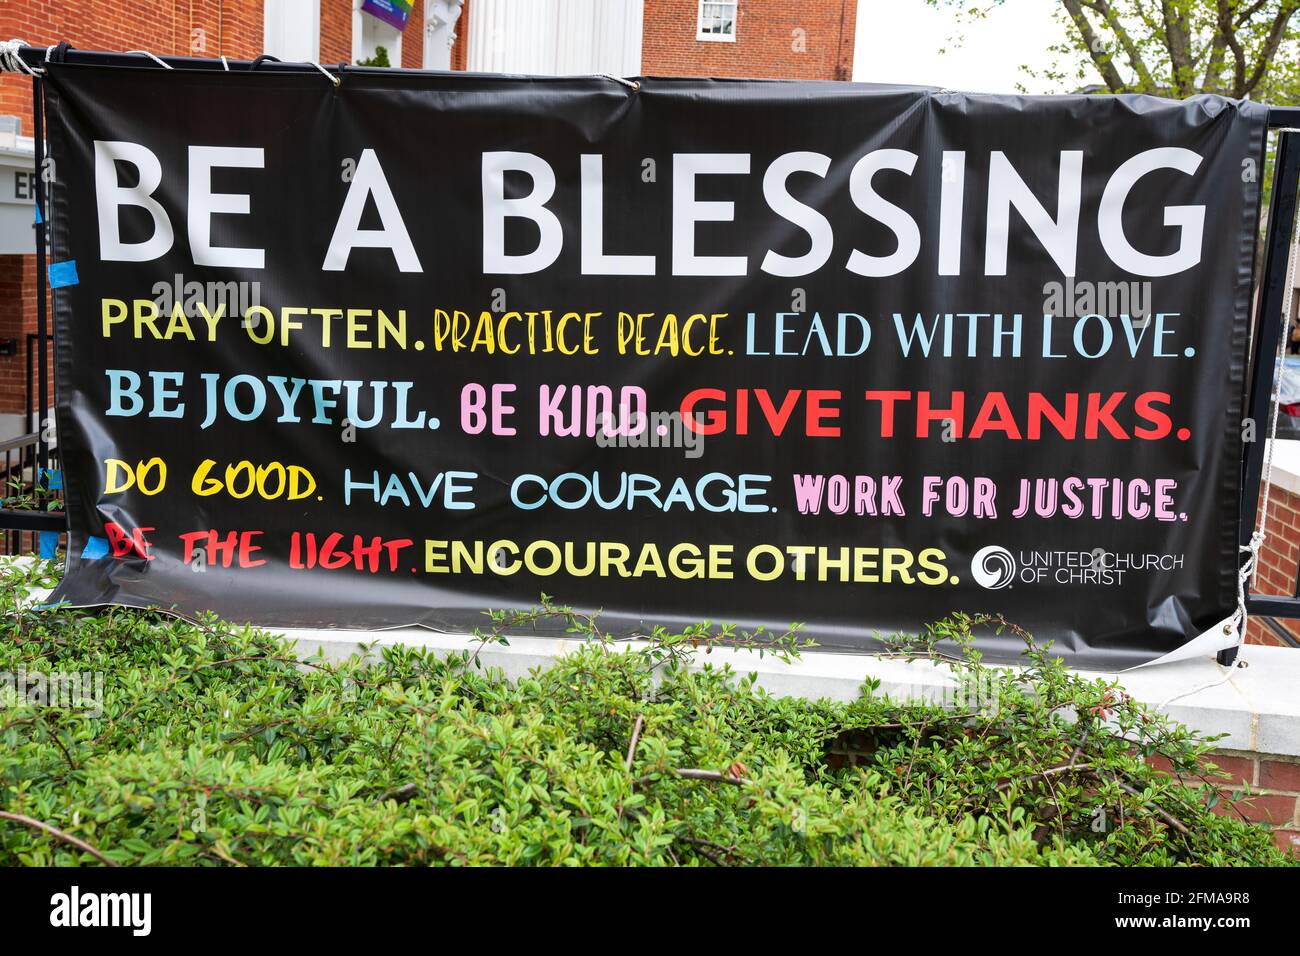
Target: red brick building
{"type": "Point", "coordinates": [1280, 555]}
{"type": "Point", "coordinates": [812, 39]}
{"type": "Point", "coordinates": [791, 41]}
{"type": "Point", "coordinates": [179, 28]}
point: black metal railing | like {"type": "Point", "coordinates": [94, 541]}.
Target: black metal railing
{"type": "Point", "coordinates": [1268, 330]}
{"type": "Point", "coordinates": [37, 350]}
{"type": "Point", "coordinates": [31, 497]}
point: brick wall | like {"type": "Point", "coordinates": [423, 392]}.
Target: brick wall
{"type": "Point", "coordinates": [1274, 792]}
{"type": "Point", "coordinates": [17, 318]}
{"type": "Point", "coordinates": [1277, 562]}
{"type": "Point", "coordinates": [336, 34]}
{"type": "Point", "coordinates": [413, 39]}
{"type": "Point", "coordinates": [460, 48]}
{"type": "Point", "coordinates": [336, 31]}
{"type": "Point", "coordinates": [1274, 783]}
{"type": "Point", "coordinates": [810, 40]}
{"type": "Point", "coordinates": [181, 27]}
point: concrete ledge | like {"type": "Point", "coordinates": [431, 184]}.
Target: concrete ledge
{"type": "Point", "coordinates": [1286, 464]}
{"type": "Point", "coordinates": [1257, 706]}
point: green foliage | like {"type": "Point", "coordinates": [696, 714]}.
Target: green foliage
{"type": "Point", "coordinates": [16, 494]}
{"type": "Point", "coordinates": [217, 746]}
{"type": "Point", "coordinates": [379, 59]}
{"type": "Point", "coordinates": [1178, 48]}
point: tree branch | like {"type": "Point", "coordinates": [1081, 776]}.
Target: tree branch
{"type": "Point", "coordinates": [1101, 59]}
{"type": "Point", "coordinates": [1116, 26]}
{"type": "Point", "coordinates": [636, 735]}
{"type": "Point", "coordinates": [1178, 46]}
{"type": "Point", "coordinates": [1275, 35]}
{"type": "Point", "coordinates": [59, 835]}
{"type": "Point", "coordinates": [1169, 818]}
{"type": "Point", "coordinates": [1228, 31]}
{"type": "Point", "coordinates": [1214, 66]}
{"type": "Point", "coordinates": [691, 773]}
{"type": "Point", "coordinates": [1071, 767]}
{"type": "Point", "coordinates": [1248, 12]}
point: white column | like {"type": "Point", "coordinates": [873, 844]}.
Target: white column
{"type": "Point", "coordinates": [440, 19]}
{"type": "Point", "coordinates": [291, 30]}
{"type": "Point", "coordinates": [556, 37]}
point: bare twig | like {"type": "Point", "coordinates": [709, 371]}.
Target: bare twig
{"type": "Point", "coordinates": [260, 728]}
{"type": "Point", "coordinates": [401, 795]}
{"type": "Point", "coordinates": [703, 849]}
{"type": "Point", "coordinates": [54, 735]}
{"type": "Point", "coordinates": [1096, 49]}
{"type": "Point", "coordinates": [692, 773]}
{"type": "Point", "coordinates": [636, 736]}
{"type": "Point", "coordinates": [916, 749]}
{"type": "Point", "coordinates": [1082, 742]}
{"type": "Point", "coordinates": [727, 852]}
{"type": "Point", "coordinates": [58, 834]}
{"type": "Point", "coordinates": [1169, 818]}
{"type": "Point", "coordinates": [1050, 772]}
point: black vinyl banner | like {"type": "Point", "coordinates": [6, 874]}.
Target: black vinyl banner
{"type": "Point", "coordinates": [397, 351]}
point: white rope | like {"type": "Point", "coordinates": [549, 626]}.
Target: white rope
{"type": "Point", "coordinates": [224, 65]}
{"type": "Point", "coordinates": [1196, 690]}
{"type": "Point", "coordinates": [328, 75]}
{"type": "Point", "coordinates": [630, 84]}
{"type": "Point", "coordinates": [1249, 568]}
{"type": "Point", "coordinates": [165, 66]}
{"type": "Point", "coordinates": [11, 62]}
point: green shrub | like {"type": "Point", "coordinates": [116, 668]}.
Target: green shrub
{"type": "Point", "coordinates": [379, 59]}
{"type": "Point", "coordinates": [215, 746]}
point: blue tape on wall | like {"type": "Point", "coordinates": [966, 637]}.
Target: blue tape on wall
{"type": "Point", "coordinates": [63, 274]}
{"type": "Point", "coordinates": [95, 548]}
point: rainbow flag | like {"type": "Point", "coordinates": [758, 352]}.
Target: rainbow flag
{"type": "Point", "coordinates": [393, 12]}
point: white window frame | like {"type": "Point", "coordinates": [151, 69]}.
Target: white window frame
{"type": "Point", "coordinates": [361, 50]}
{"type": "Point", "coordinates": [700, 33]}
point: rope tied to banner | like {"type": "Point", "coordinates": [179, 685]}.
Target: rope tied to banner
{"type": "Point", "coordinates": [1250, 568]}
{"type": "Point", "coordinates": [328, 75]}
{"type": "Point", "coordinates": [633, 85]}
{"type": "Point", "coordinates": [268, 58]}
{"type": "Point", "coordinates": [12, 62]}
{"type": "Point", "coordinates": [157, 59]}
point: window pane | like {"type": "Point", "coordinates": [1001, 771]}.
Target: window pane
{"type": "Point", "coordinates": [717, 17]}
